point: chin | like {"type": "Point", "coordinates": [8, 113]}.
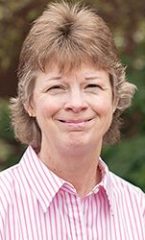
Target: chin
{"type": "Point", "coordinates": [78, 142]}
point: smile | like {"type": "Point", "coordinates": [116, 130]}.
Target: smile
{"type": "Point", "coordinates": [75, 121]}
{"type": "Point", "coordinates": [76, 124]}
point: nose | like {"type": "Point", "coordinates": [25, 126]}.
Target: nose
{"type": "Point", "coordinates": [76, 102]}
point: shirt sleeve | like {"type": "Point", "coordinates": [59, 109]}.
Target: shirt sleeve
{"type": "Point", "coordinates": [1, 221]}
{"type": "Point", "coordinates": [5, 198]}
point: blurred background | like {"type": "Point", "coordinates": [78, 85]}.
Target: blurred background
{"type": "Point", "coordinates": [126, 18]}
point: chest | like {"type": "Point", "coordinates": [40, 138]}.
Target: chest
{"type": "Point", "coordinates": [71, 218]}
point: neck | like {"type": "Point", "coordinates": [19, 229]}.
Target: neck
{"type": "Point", "coordinates": [81, 170]}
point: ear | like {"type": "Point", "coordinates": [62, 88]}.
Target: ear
{"type": "Point", "coordinates": [29, 109]}
{"type": "Point", "coordinates": [115, 104]}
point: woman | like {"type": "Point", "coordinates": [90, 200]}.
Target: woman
{"type": "Point", "coordinates": [71, 93]}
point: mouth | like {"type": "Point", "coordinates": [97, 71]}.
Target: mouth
{"type": "Point", "coordinates": [76, 125]}
{"type": "Point", "coordinates": [75, 121]}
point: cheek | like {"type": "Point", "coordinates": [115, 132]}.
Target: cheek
{"type": "Point", "coordinates": [103, 106]}
{"type": "Point", "coordinates": [47, 108]}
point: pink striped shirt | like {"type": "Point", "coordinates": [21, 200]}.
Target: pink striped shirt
{"type": "Point", "coordinates": [35, 204]}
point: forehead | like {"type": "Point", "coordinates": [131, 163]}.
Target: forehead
{"type": "Point", "coordinates": [85, 72]}
{"type": "Point", "coordinates": [67, 70]}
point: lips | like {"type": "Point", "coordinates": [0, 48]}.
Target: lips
{"type": "Point", "coordinates": [75, 121]}
{"type": "Point", "coordinates": [76, 125]}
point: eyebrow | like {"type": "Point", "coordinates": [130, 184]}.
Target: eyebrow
{"type": "Point", "coordinates": [54, 78]}
{"type": "Point", "coordinates": [92, 78]}
{"type": "Point", "coordinates": [87, 78]}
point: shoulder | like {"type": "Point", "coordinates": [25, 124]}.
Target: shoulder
{"type": "Point", "coordinates": [123, 184]}
{"type": "Point", "coordinates": [127, 191]}
{"type": "Point", "coordinates": [7, 185]}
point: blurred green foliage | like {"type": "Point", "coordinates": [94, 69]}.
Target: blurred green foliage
{"type": "Point", "coordinates": [127, 159]}
{"type": "Point", "coordinates": [10, 149]}
{"type": "Point", "coordinates": [127, 21]}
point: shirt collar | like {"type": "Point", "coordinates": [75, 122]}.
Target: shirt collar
{"type": "Point", "coordinates": [45, 184]}
{"type": "Point", "coordinates": [106, 185]}
{"type": "Point", "coordinates": [40, 179]}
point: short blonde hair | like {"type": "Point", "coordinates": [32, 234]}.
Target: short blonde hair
{"type": "Point", "coordinates": [68, 35]}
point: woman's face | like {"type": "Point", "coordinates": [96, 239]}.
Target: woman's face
{"type": "Point", "coordinates": [73, 109]}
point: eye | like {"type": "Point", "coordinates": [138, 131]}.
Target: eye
{"type": "Point", "coordinates": [93, 87]}
{"type": "Point", "coordinates": [56, 89]}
